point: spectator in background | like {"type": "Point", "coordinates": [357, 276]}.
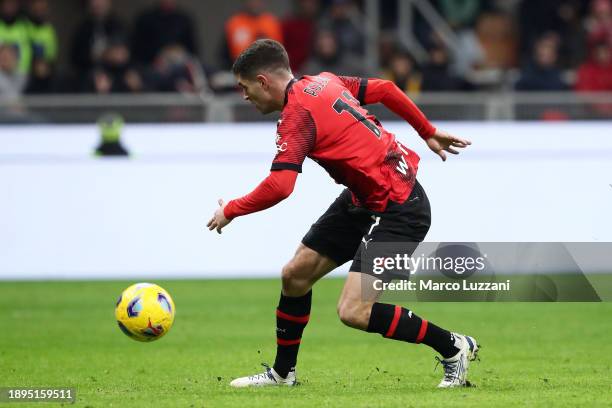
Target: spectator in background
{"type": "Point", "coordinates": [12, 80]}
{"type": "Point", "coordinates": [542, 73]}
{"type": "Point", "coordinates": [403, 72]}
{"type": "Point", "coordinates": [388, 45]}
{"type": "Point", "coordinates": [299, 32]}
{"type": "Point", "coordinates": [176, 70]}
{"type": "Point", "coordinates": [44, 47]}
{"type": "Point", "coordinates": [328, 56]}
{"type": "Point", "coordinates": [572, 36]}
{"type": "Point", "coordinates": [535, 18]}
{"type": "Point", "coordinates": [14, 32]}
{"type": "Point", "coordinates": [595, 75]}
{"type": "Point", "coordinates": [483, 54]}
{"type": "Point", "coordinates": [248, 25]}
{"type": "Point", "coordinates": [564, 17]}
{"type": "Point", "coordinates": [347, 23]}
{"type": "Point", "coordinates": [468, 54]}
{"type": "Point", "coordinates": [436, 73]}
{"type": "Point", "coordinates": [599, 22]}
{"type": "Point", "coordinates": [498, 39]}
{"type": "Point", "coordinates": [91, 38]}
{"type": "Point", "coordinates": [114, 73]}
{"type": "Point", "coordinates": [162, 26]}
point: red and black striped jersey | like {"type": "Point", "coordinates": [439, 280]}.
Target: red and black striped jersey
{"type": "Point", "coordinates": [324, 119]}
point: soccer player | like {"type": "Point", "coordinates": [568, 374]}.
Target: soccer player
{"type": "Point", "coordinates": [322, 117]}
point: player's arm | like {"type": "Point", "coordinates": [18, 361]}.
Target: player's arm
{"type": "Point", "coordinates": [295, 138]}
{"type": "Point", "coordinates": [274, 189]}
{"type": "Point", "coordinates": [372, 90]}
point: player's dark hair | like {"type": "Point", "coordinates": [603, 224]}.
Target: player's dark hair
{"type": "Point", "coordinates": [262, 55]}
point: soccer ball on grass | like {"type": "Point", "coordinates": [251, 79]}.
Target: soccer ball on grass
{"type": "Point", "coordinates": [145, 312]}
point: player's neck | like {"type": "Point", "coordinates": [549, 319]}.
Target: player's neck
{"type": "Point", "coordinates": [282, 90]}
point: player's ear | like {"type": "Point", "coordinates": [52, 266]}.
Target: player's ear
{"type": "Point", "coordinates": [263, 81]}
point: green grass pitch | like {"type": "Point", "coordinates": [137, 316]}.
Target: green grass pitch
{"type": "Point", "coordinates": [64, 334]}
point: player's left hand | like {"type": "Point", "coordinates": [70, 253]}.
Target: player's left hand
{"type": "Point", "coordinates": [218, 221]}
{"type": "Point", "coordinates": [442, 142]}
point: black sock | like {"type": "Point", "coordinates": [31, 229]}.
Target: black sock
{"type": "Point", "coordinates": [396, 322]}
{"type": "Point", "coordinates": [292, 316]}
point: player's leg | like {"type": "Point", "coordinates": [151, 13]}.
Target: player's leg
{"type": "Point", "coordinates": [293, 311]}
{"type": "Point", "coordinates": [408, 224]}
{"type": "Point", "coordinates": [356, 300]}
{"type": "Point", "coordinates": [358, 308]}
{"type": "Point", "coordinates": [292, 315]}
{"type": "Point", "coordinates": [305, 268]}
{"type": "Point", "coordinates": [331, 241]}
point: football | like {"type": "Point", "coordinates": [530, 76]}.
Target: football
{"type": "Point", "coordinates": [145, 312]}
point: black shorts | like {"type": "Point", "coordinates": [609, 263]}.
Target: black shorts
{"type": "Point", "coordinates": [341, 231]}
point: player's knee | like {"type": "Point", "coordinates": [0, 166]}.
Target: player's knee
{"type": "Point", "coordinates": [351, 314]}
{"type": "Point", "coordinates": [287, 274]}
{"type": "Point", "coordinates": [293, 282]}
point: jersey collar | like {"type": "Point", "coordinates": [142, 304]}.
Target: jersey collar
{"type": "Point", "coordinates": [289, 85]}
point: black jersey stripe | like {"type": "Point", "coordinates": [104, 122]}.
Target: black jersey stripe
{"type": "Point", "coordinates": [363, 84]}
{"type": "Point", "coordinates": [286, 166]}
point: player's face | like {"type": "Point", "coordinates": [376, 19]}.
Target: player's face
{"type": "Point", "coordinates": [257, 92]}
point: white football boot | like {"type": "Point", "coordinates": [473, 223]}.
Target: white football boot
{"type": "Point", "coordinates": [456, 367]}
{"type": "Point", "coordinates": [267, 378]}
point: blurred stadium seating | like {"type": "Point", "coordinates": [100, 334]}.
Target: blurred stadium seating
{"type": "Point", "coordinates": [168, 61]}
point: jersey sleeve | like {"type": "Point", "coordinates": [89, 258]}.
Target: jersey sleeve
{"type": "Point", "coordinates": [275, 188]}
{"type": "Point", "coordinates": [356, 86]}
{"type": "Point", "coordinates": [372, 90]}
{"type": "Point", "coordinates": [295, 138]}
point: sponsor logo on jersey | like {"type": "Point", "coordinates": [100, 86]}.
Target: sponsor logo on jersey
{"type": "Point", "coordinates": [402, 166]}
{"type": "Point", "coordinates": [316, 86]}
{"type": "Point", "coordinates": [280, 146]}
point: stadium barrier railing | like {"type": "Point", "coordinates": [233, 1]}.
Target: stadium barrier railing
{"type": "Point", "coordinates": [147, 108]}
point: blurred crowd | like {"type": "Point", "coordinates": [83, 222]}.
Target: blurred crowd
{"type": "Point", "coordinates": [528, 45]}
{"type": "Point", "coordinates": [157, 53]}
